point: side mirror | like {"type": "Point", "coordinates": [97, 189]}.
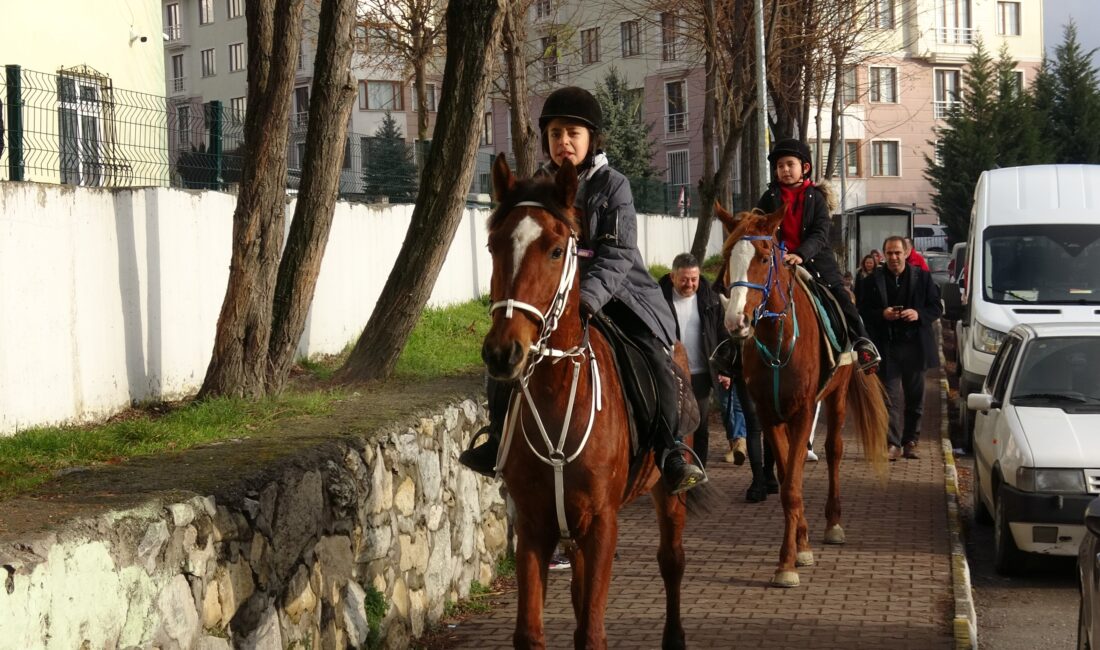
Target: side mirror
{"type": "Point", "coordinates": [952, 301]}
{"type": "Point", "coordinates": [1092, 517]}
{"type": "Point", "coordinates": [981, 402]}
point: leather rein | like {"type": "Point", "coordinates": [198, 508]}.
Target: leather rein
{"type": "Point", "coordinates": [555, 455]}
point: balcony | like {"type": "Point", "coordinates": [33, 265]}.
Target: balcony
{"type": "Point", "coordinates": [955, 35]}
{"type": "Point", "coordinates": [178, 85]}
{"type": "Point", "coordinates": [676, 124]}
{"type": "Point", "coordinates": [942, 109]}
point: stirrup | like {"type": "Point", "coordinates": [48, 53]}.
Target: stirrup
{"type": "Point", "coordinates": [867, 358]}
{"type": "Point", "coordinates": [688, 482]}
{"type": "Point", "coordinates": [486, 430]}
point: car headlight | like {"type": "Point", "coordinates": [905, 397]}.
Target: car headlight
{"type": "Point", "coordinates": [1067, 481]}
{"type": "Point", "coordinates": [987, 339]}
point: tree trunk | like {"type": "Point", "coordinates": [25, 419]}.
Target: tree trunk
{"type": "Point", "coordinates": [707, 187]}
{"type": "Point", "coordinates": [333, 92]}
{"type": "Point", "coordinates": [238, 363]}
{"type": "Point", "coordinates": [421, 99]}
{"type": "Point", "coordinates": [441, 200]}
{"type": "Point", "coordinates": [524, 138]}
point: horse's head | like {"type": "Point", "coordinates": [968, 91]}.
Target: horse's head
{"type": "Point", "coordinates": [751, 262]}
{"type": "Point", "coordinates": [532, 240]}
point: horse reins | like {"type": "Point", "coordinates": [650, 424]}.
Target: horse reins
{"type": "Point", "coordinates": [548, 323]}
{"type": "Point", "coordinates": [774, 359]}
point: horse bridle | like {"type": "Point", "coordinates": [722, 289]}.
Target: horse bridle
{"type": "Point", "coordinates": [774, 358]}
{"type": "Point", "coordinates": [548, 323]}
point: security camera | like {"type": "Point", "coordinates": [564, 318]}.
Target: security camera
{"type": "Point", "coordinates": [137, 37]}
{"type": "Point", "coordinates": [143, 39]}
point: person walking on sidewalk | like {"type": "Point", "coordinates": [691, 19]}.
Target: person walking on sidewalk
{"type": "Point", "coordinates": [899, 303]}
{"type": "Point", "coordinates": [699, 326]}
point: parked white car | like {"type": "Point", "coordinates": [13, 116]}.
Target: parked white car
{"type": "Point", "coordinates": [930, 237]}
{"type": "Point", "coordinates": [1037, 440]}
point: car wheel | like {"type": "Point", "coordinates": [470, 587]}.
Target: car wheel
{"type": "Point", "coordinates": [965, 425]}
{"type": "Point", "coordinates": [981, 513]}
{"type": "Point", "coordinates": [1006, 557]}
{"type": "Point", "coordinates": [1082, 627]}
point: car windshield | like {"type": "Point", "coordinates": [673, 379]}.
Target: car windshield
{"type": "Point", "coordinates": [1046, 264]}
{"type": "Point", "coordinates": [1060, 369]}
{"type": "Point", "coordinates": [937, 263]}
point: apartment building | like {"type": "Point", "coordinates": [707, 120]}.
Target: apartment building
{"type": "Point", "coordinates": [908, 75]}
{"type": "Point", "coordinates": [206, 59]}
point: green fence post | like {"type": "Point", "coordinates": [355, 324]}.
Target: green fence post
{"type": "Point", "coordinates": [214, 147]}
{"type": "Point", "coordinates": [15, 123]}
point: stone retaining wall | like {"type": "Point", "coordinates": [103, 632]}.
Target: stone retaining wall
{"type": "Point", "coordinates": [392, 520]}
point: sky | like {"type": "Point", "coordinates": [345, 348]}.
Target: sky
{"type": "Point", "coordinates": [1085, 13]}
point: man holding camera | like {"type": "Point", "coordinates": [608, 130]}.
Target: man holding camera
{"type": "Point", "coordinates": [899, 303]}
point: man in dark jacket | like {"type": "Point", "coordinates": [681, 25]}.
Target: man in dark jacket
{"type": "Point", "coordinates": [899, 303]}
{"type": "Point", "coordinates": [699, 327]}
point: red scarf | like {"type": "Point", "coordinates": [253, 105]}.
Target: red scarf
{"type": "Point", "coordinates": [794, 199]}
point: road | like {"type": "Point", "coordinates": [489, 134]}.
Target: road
{"type": "Point", "coordinates": [1036, 609]}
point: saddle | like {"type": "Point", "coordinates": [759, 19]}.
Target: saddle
{"type": "Point", "coordinates": [640, 389]}
{"type": "Point", "coordinates": [834, 327]}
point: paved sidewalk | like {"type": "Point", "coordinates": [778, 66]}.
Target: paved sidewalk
{"type": "Point", "coordinates": [890, 586]}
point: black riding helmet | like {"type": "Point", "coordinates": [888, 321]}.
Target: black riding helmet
{"type": "Point", "coordinates": [790, 147]}
{"type": "Point", "coordinates": [575, 104]}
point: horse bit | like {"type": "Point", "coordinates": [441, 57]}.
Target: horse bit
{"type": "Point", "coordinates": [548, 323]}
{"type": "Point", "coordinates": [774, 359]}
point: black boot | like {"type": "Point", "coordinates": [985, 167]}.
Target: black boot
{"type": "Point", "coordinates": [758, 489]}
{"type": "Point", "coordinates": [483, 458]}
{"type": "Point", "coordinates": [679, 475]}
{"type": "Point", "coordinates": [770, 481]}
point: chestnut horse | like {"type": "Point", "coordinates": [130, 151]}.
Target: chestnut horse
{"type": "Point", "coordinates": [784, 365]}
{"type": "Point", "coordinates": [566, 450]}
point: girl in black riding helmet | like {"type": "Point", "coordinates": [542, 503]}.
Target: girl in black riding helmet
{"type": "Point", "coordinates": [614, 280]}
{"type": "Point", "coordinates": [805, 233]}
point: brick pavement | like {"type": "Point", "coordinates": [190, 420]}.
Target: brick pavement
{"type": "Point", "coordinates": [888, 587]}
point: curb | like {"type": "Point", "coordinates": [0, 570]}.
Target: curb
{"type": "Point", "coordinates": [964, 626]}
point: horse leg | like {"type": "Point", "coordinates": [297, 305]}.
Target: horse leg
{"type": "Point", "coordinates": [532, 558]}
{"type": "Point", "coordinates": [790, 457]}
{"type": "Point", "coordinates": [671, 513]}
{"type": "Point", "coordinates": [592, 580]}
{"type": "Point", "coordinates": [836, 408]}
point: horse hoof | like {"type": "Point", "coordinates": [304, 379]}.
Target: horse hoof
{"type": "Point", "coordinates": [785, 579]}
{"type": "Point", "coordinates": [834, 535]}
{"type": "Point", "coordinates": [804, 558]}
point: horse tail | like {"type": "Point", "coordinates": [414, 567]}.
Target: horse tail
{"type": "Point", "coordinates": [705, 499]}
{"type": "Point", "coordinates": [867, 400]}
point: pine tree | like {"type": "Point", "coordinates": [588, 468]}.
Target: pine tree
{"type": "Point", "coordinates": [388, 168]}
{"type": "Point", "coordinates": [1074, 112]}
{"type": "Point", "coordinates": [627, 142]}
{"type": "Point", "coordinates": [1017, 134]}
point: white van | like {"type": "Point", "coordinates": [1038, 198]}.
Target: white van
{"type": "Point", "coordinates": [1033, 256]}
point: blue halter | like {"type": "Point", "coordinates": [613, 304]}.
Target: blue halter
{"type": "Point", "coordinates": [776, 359]}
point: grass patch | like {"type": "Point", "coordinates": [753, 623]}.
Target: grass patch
{"type": "Point", "coordinates": [446, 341]}
{"type": "Point", "coordinates": [31, 457]}
{"type": "Point", "coordinates": [659, 270]}
{"type": "Point", "coordinates": [711, 266]}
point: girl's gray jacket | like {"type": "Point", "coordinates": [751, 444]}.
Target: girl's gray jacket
{"type": "Point", "coordinates": [616, 269]}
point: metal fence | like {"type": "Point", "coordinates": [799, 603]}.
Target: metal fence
{"type": "Point", "coordinates": [76, 128]}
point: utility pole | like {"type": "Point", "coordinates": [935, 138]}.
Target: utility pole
{"type": "Point", "coordinates": [761, 94]}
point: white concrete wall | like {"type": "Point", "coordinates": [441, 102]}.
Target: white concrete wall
{"type": "Point", "coordinates": [110, 297]}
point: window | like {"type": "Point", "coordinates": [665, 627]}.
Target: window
{"type": "Point", "coordinates": [549, 58]}
{"type": "Point", "coordinates": [1018, 80]}
{"type": "Point", "coordinates": [236, 108]}
{"type": "Point", "coordinates": [849, 88]}
{"type": "Point", "coordinates": [208, 67]}
{"type": "Point", "coordinates": [206, 12]}
{"type": "Point", "coordinates": [178, 76]}
{"type": "Point", "coordinates": [937, 152]}
{"type": "Point", "coordinates": [1041, 264]}
{"type": "Point", "coordinates": [631, 37]}
{"type": "Point", "coordinates": [953, 23]}
{"type": "Point", "coordinates": [590, 45]}
{"type": "Point", "coordinates": [634, 99]}
{"type": "Point", "coordinates": [543, 8]}
{"type": "Point", "coordinates": [430, 95]}
{"type": "Point", "coordinates": [301, 106]}
{"type": "Point", "coordinates": [381, 96]}
{"type": "Point", "coordinates": [676, 107]}
{"type": "Point", "coordinates": [884, 158]}
{"type": "Point", "coordinates": [679, 177]}
{"type": "Point", "coordinates": [850, 153]}
{"type": "Point", "coordinates": [852, 166]}
{"type": "Point", "coordinates": [947, 88]}
{"type": "Point", "coordinates": [669, 37]}
{"type": "Point", "coordinates": [236, 57]}
{"type": "Point", "coordinates": [183, 125]}
{"type": "Point", "coordinates": [1008, 18]}
{"type": "Point", "coordinates": [81, 113]}
{"type": "Point", "coordinates": [487, 131]}
{"type": "Point", "coordinates": [884, 85]}
{"type": "Point", "coordinates": [884, 14]}
{"type": "Point", "coordinates": [234, 9]}
{"type": "Point", "coordinates": [172, 22]}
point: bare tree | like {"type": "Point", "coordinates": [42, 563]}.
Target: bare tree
{"type": "Point", "coordinates": [447, 174]}
{"type": "Point", "coordinates": [513, 49]}
{"type": "Point", "coordinates": [409, 35]}
{"type": "Point", "coordinates": [239, 361]}
{"type": "Point", "coordinates": [332, 97]}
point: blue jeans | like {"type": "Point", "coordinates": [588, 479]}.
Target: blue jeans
{"type": "Point", "coordinates": [733, 416]}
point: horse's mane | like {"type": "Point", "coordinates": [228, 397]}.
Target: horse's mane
{"type": "Point", "coordinates": [541, 188]}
